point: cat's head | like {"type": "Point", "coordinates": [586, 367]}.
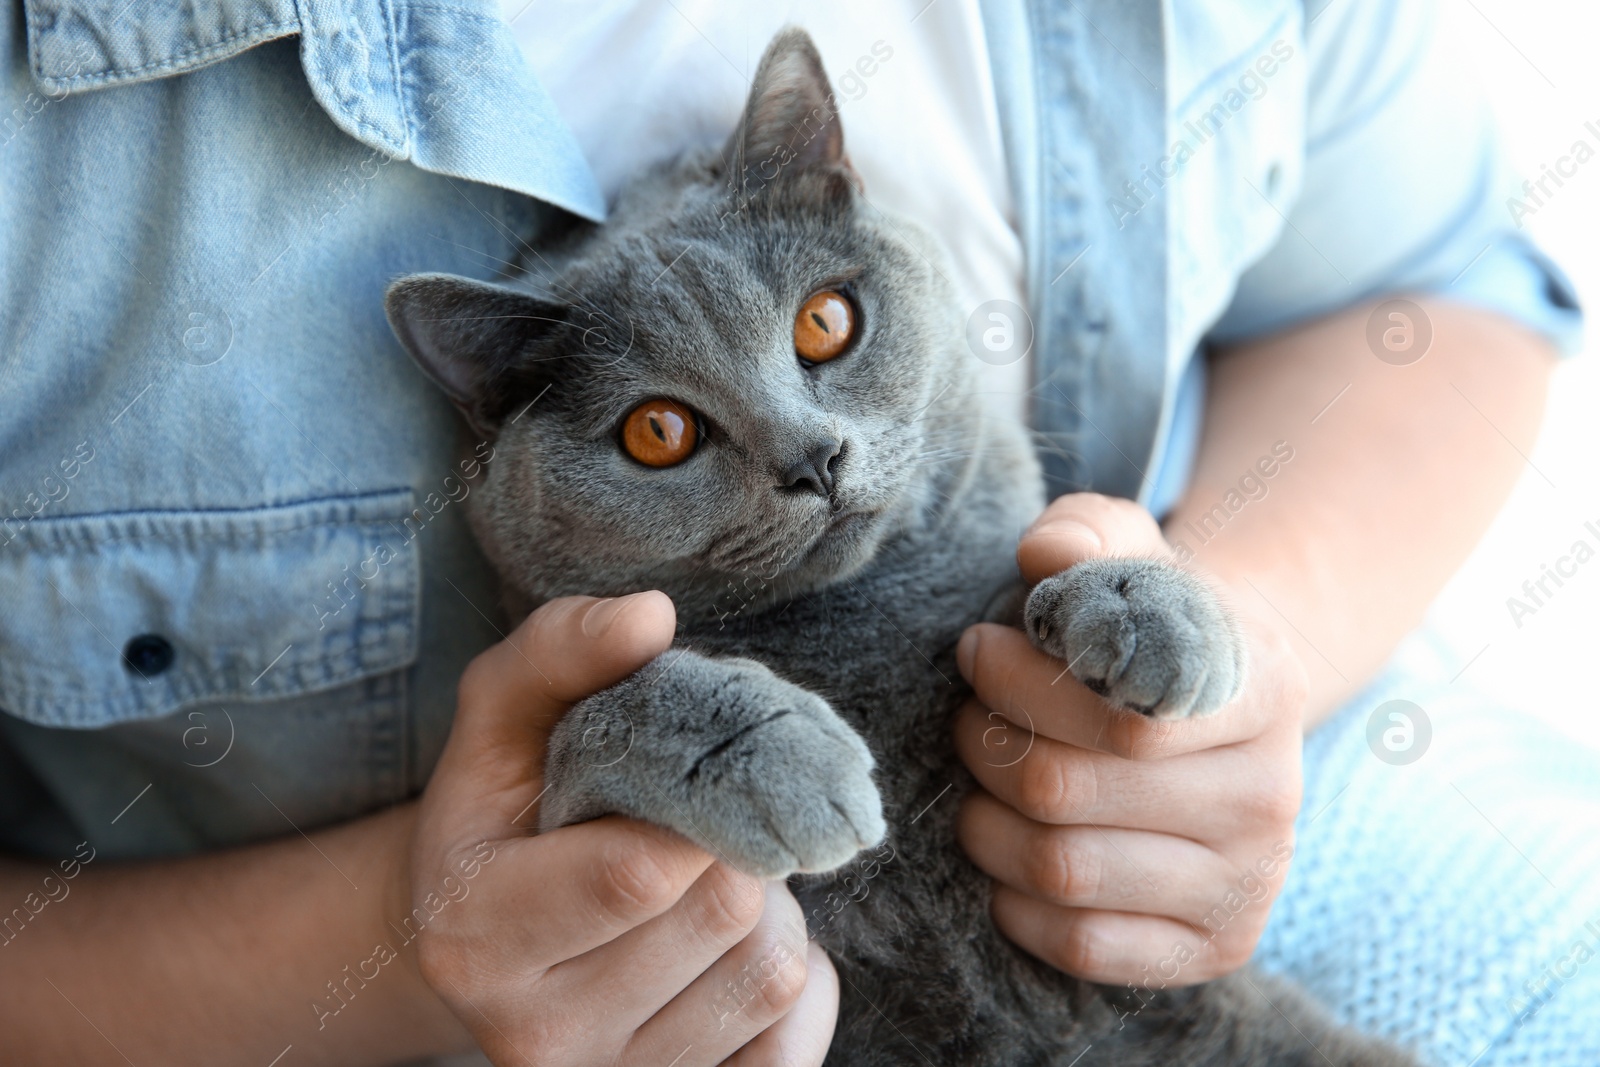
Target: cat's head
{"type": "Point", "coordinates": [728, 391]}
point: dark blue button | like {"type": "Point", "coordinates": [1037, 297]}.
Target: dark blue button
{"type": "Point", "coordinates": [147, 655]}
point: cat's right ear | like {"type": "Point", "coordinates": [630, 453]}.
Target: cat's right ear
{"type": "Point", "coordinates": [474, 339]}
{"type": "Point", "coordinates": [791, 124]}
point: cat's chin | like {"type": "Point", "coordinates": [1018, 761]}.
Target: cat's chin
{"type": "Point", "coordinates": [847, 544]}
{"type": "Point", "coordinates": [848, 524]}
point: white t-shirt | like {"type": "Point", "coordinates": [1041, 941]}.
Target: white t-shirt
{"type": "Point", "coordinates": [639, 81]}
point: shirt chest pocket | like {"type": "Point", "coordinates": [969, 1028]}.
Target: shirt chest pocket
{"type": "Point", "coordinates": [119, 618]}
{"type": "Point", "coordinates": [1237, 149]}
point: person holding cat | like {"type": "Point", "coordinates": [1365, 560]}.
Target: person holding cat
{"type": "Point", "coordinates": [253, 611]}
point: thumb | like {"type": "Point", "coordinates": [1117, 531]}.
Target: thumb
{"type": "Point", "coordinates": [512, 695]}
{"type": "Point", "coordinates": [1080, 526]}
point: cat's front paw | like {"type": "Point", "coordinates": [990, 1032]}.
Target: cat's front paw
{"type": "Point", "coordinates": [1142, 633]}
{"type": "Point", "coordinates": [758, 771]}
{"type": "Point", "coordinates": [792, 791]}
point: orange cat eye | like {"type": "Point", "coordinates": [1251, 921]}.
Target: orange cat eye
{"type": "Point", "coordinates": [823, 327]}
{"type": "Point", "coordinates": [660, 433]}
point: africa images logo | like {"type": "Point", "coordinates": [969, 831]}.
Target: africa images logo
{"type": "Point", "coordinates": [1398, 732]}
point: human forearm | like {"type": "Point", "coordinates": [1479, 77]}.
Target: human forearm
{"type": "Point", "coordinates": [218, 959]}
{"type": "Point", "coordinates": [1388, 490]}
{"type": "Point", "coordinates": [606, 941]}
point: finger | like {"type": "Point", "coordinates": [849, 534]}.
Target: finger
{"type": "Point", "coordinates": [545, 899]}
{"type": "Point", "coordinates": [801, 1038]}
{"type": "Point", "coordinates": [644, 968]}
{"type": "Point", "coordinates": [1115, 948]}
{"type": "Point", "coordinates": [1080, 526]}
{"type": "Point", "coordinates": [1098, 867]}
{"type": "Point", "coordinates": [512, 695]}
{"type": "Point", "coordinates": [1213, 796]}
{"type": "Point", "coordinates": [742, 994]}
{"type": "Point", "coordinates": [1037, 692]}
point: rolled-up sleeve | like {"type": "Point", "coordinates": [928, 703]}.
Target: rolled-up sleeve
{"type": "Point", "coordinates": [1405, 189]}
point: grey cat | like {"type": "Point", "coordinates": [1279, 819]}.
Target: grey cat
{"type": "Point", "coordinates": [748, 389]}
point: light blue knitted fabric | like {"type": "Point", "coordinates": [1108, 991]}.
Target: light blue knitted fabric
{"type": "Point", "coordinates": [1452, 904]}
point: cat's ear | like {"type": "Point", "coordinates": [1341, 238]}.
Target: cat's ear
{"type": "Point", "coordinates": [474, 339]}
{"type": "Point", "coordinates": [791, 124]}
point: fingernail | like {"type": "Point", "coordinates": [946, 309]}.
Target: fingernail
{"type": "Point", "coordinates": [597, 620]}
{"type": "Point", "coordinates": [1069, 529]}
{"type": "Point", "coordinates": [966, 650]}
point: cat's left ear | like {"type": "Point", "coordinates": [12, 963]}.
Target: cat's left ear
{"type": "Point", "coordinates": [480, 343]}
{"type": "Point", "coordinates": [791, 126]}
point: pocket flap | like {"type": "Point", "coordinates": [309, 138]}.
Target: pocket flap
{"type": "Point", "coordinates": [109, 618]}
{"type": "Point", "coordinates": [82, 44]}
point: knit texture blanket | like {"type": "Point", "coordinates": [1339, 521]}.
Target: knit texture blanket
{"type": "Point", "coordinates": [1452, 902]}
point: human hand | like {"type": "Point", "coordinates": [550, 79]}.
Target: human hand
{"type": "Point", "coordinates": [609, 941]}
{"type": "Point", "coordinates": [1126, 849]}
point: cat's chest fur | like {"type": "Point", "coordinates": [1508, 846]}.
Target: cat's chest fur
{"type": "Point", "coordinates": [880, 648]}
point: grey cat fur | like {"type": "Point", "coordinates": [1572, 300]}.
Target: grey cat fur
{"type": "Point", "coordinates": [804, 711]}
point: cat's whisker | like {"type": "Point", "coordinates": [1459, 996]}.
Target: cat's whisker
{"type": "Point", "coordinates": [488, 318]}
{"type": "Point", "coordinates": [961, 453]}
{"type": "Point", "coordinates": [554, 289]}
{"type": "Point", "coordinates": [512, 268]}
{"type": "Point", "coordinates": [507, 231]}
{"type": "Point", "coordinates": [948, 401]}
{"type": "Point", "coordinates": [572, 295]}
{"type": "Point", "coordinates": [935, 460]}
{"type": "Point", "coordinates": [932, 402]}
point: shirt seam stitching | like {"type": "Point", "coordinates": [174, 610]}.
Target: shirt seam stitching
{"type": "Point", "coordinates": [400, 94]}
{"type": "Point", "coordinates": [262, 34]}
{"type": "Point", "coordinates": [68, 522]}
{"type": "Point", "coordinates": [221, 537]}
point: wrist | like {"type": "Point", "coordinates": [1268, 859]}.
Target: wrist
{"type": "Point", "coordinates": [1276, 658]}
{"type": "Point", "coordinates": [390, 924]}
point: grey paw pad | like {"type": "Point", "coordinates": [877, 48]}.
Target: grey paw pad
{"type": "Point", "coordinates": [756, 770]}
{"type": "Point", "coordinates": [1145, 635]}
{"type": "Point", "coordinates": [794, 793]}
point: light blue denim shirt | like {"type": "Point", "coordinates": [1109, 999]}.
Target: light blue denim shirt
{"type": "Point", "coordinates": [1192, 174]}
{"type": "Point", "coordinates": [236, 587]}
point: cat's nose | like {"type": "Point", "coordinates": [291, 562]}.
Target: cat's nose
{"type": "Point", "coordinates": [814, 473]}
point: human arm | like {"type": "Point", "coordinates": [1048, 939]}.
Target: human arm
{"type": "Point", "coordinates": [224, 958]}
{"type": "Point", "coordinates": [1392, 186]}
{"type": "Point", "coordinates": [1117, 839]}
{"type": "Point", "coordinates": [1397, 473]}
{"type": "Point", "coordinates": [217, 958]}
